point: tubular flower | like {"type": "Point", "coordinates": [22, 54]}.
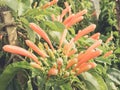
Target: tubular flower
{"type": "Point", "coordinates": [108, 53]}
{"type": "Point", "coordinates": [49, 4]}
{"type": "Point", "coordinates": [35, 48]}
{"type": "Point", "coordinates": [109, 39]}
{"type": "Point", "coordinates": [41, 32]}
{"type": "Point", "coordinates": [35, 65]}
{"type": "Point", "coordinates": [20, 51]}
{"type": "Point", "coordinates": [52, 71]}
{"type": "Point", "coordinates": [95, 36]}
{"type": "Point", "coordinates": [65, 59]}
{"type": "Point", "coordinates": [72, 18]}
{"type": "Point", "coordinates": [61, 64]}
{"type": "Point", "coordinates": [84, 67]}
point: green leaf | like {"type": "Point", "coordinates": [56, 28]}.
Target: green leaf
{"type": "Point", "coordinates": [89, 85]}
{"type": "Point", "coordinates": [110, 84]}
{"type": "Point", "coordinates": [103, 60]}
{"type": "Point", "coordinates": [66, 86]}
{"type": "Point", "coordinates": [51, 25]}
{"type": "Point", "coordinates": [114, 75]}
{"type": "Point", "coordinates": [55, 36]}
{"type": "Point", "coordinates": [29, 85]}
{"type": "Point", "coordinates": [10, 71]}
{"type": "Point", "coordinates": [100, 81]}
{"type": "Point", "coordinates": [14, 85]}
{"type": "Point", "coordinates": [101, 69]}
{"type": "Point", "coordinates": [30, 33]}
{"type": "Point", "coordinates": [19, 6]}
{"type": "Point", "coordinates": [117, 50]}
{"type": "Point", "coordinates": [24, 21]}
{"type": "Point", "coordinates": [90, 81]}
{"type": "Point", "coordinates": [55, 26]}
{"type": "Point", "coordinates": [59, 26]}
{"type": "Point", "coordinates": [12, 4]}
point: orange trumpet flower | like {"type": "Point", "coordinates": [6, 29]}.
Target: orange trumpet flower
{"type": "Point", "coordinates": [85, 31]}
{"type": "Point", "coordinates": [35, 48]}
{"type": "Point", "coordinates": [20, 51]}
{"type": "Point", "coordinates": [85, 67]}
{"type": "Point", "coordinates": [42, 33]}
{"type": "Point", "coordinates": [95, 36]}
{"type": "Point", "coordinates": [49, 4]}
{"type": "Point", "coordinates": [109, 39]}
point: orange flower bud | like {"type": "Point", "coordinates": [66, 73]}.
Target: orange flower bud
{"type": "Point", "coordinates": [52, 71]}
{"type": "Point", "coordinates": [107, 54]}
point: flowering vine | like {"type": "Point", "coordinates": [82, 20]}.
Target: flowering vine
{"type": "Point", "coordinates": [65, 60]}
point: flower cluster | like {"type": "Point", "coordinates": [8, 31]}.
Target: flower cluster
{"type": "Point", "coordinates": [64, 60]}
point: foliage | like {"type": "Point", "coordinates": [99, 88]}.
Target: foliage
{"type": "Point", "coordinates": [107, 16]}
{"type": "Point", "coordinates": [103, 77]}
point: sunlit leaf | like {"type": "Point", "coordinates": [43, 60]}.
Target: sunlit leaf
{"type": "Point", "coordinates": [19, 6]}
{"type": "Point", "coordinates": [90, 81]}
{"type": "Point", "coordinates": [114, 75]}
{"type": "Point", "coordinates": [100, 80]}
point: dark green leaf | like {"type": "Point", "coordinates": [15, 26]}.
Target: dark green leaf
{"type": "Point", "coordinates": [10, 71]}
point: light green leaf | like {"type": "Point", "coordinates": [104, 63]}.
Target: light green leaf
{"type": "Point", "coordinates": [12, 4]}
{"type": "Point", "coordinates": [103, 60]}
{"type": "Point", "coordinates": [59, 26]}
{"type": "Point", "coordinates": [100, 81]}
{"type": "Point", "coordinates": [19, 6]}
{"type": "Point", "coordinates": [66, 86]}
{"type": "Point", "coordinates": [90, 81]}
{"type": "Point", "coordinates": [55, 36]}
{"type": "Point", "coordinates": [55, 26]}
{"type": "Point", "coordinates": [114, 75]}
{"type": "Point", "coordinates": [89, 85]}
{"type": "Point", "coordinates": [29, 85]}
{"type": "Point", "coordinates": [110, 84]}
{"type": "Point", "coordinates": [117, 50]}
